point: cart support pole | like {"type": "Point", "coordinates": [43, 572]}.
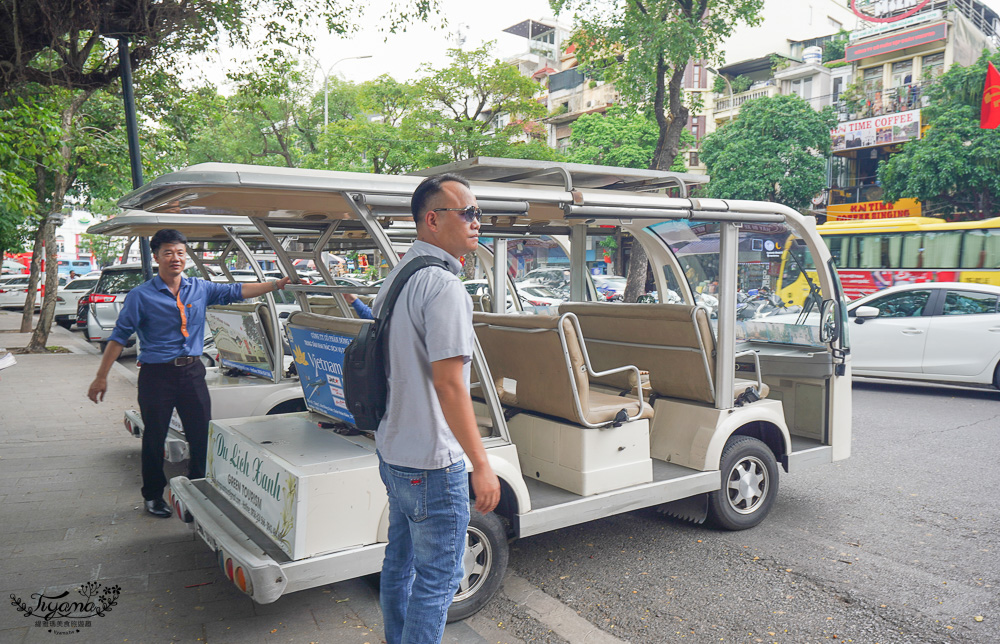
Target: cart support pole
{"type": "Point", "coordinates": [499, 275]}
{"type": "Point", "coordinates": [578, 263]}
{"type": "Point", "coordinates": [725, 357]}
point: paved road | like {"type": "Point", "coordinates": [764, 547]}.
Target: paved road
{"type": "Point", "coordinates": [897, 544]}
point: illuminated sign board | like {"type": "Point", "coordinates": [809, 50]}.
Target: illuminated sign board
{"type": "Point", "coordinates": [874, 10]}
{"type": "Point", "coordinates": [877, 130]}
{"type": "Point", "coordinates": [896, 42]}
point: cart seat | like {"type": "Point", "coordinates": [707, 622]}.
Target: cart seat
{"type": "Point", "coordinates": [547, 359]}
{"type": "Point", "coordinates": [673, 342]}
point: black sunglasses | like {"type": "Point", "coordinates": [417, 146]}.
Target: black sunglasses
{"type": "Point", "coordinates": [468, 213]}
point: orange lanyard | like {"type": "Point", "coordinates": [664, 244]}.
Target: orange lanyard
{"type": "Point", "coordinates": [184, 320]}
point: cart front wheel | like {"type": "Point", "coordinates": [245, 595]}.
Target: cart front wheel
{"type": "Point", "coordinates": [484, 562]}
{"type": "Point", "coordinates": [749, 485]}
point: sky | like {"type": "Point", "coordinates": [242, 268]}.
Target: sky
{"type": "Point", "coordinates": [401, 55]}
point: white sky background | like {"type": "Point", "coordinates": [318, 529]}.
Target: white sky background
{"type": "Point", "coordinates": [401, 55]}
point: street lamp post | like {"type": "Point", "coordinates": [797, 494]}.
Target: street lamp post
{"type": "Point", "coordinates": [326, 89]}
{"type": "Point", "coordinates": [729, 89]}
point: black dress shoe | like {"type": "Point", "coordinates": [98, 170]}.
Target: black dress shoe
{"type": "Point", "coordinates": [158, 508]}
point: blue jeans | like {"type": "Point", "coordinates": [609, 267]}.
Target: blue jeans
{"type": "Point", "coordinates": [428, 517]}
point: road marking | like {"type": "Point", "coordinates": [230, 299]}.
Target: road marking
{"type": "Point", "coordinates": [556, 615]}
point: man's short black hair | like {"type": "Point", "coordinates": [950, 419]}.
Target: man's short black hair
{"type": "Point", "coordinates": [166, 236]}
{"type": "Point", "coordinates": [428, 189]}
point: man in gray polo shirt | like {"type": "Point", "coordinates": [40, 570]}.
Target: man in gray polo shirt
{"type": "Point", "coordinates": [429, 427]}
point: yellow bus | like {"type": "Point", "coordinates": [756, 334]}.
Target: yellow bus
{"type": "Point", "coordinates": [875, 254]}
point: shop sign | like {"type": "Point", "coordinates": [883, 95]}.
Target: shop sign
{"type": "Point", "coordinates": [896, 42]}
{"type": "Point", "coordinates": [262, 490]}
{"type": "Point", "coordinates": [927, 16]}
{"type": "Point", "coordinates": [877, 130]}
{"type": "Point", "coordinates": [873, 210]}
{"type": "Point", "coordinates": [876, 10]}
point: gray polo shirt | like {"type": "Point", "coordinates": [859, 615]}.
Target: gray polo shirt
{"type": "Point", "coordinates": [432, 321]}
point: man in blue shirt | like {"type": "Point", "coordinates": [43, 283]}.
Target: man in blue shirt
{"type": "Point", "coordinates": [168, 314]}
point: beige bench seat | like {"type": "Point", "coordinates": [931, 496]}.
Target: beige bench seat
{"type": "Point", "coordinates": [545, 357]}
{"type": "Point", "coordinates": [673, 342]}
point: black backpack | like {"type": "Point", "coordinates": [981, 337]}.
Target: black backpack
{"type": "Point", "coordinates": [365, 385]}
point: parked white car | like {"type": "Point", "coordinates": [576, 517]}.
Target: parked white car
{"type": "Point", "coordinates": [14, 292]}
{"type": "Point", "coordinates": [941, 332]}
{"type": "Point", "coordinates": [68, 300]}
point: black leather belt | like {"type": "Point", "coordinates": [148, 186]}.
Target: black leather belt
{"type": "Point", "coordinates": [183, 361]}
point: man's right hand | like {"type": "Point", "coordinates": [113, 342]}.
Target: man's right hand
{"type": "Point", "coordinates": [97, 389]}
{"type": "Point", "coordinates": [486, 486]}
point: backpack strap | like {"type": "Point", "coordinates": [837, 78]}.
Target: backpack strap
{"type": "Point", "coordinates": [417, 263]}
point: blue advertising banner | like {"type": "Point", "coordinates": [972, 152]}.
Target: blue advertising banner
{"type": "Point", "coordinates": [240, 339]}
{"type": "Point", "coordinates": [319, 359]}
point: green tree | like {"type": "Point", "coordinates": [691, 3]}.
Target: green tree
{"type": "Point", "coordinates": [955, 166]}
{"type": "Point", "coordinates": [775, 150]}
{"type": "Point", "coordinates": [623, 137]}
{"type": "Point", "coordinates": [644, 46]}
{"type": "Point", "coordinates": [53, 42]}
{"type": "Point", "coordinates": [103, 248]}
{"type": "Point", "coordinates": [65, 47]}
{"type": "Point", "coordinates": [462, 103]}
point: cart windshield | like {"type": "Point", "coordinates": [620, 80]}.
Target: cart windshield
{"type": "Point", "coordinates": [765, 312]}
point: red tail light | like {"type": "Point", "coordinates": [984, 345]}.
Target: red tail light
{"type": "Point", "coordinates": [98, 298]}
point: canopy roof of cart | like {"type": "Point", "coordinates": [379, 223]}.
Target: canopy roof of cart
{"type": "Point", "coordinates": [207, 228]}
{"type": "Point", "coordinates": [516, 194]}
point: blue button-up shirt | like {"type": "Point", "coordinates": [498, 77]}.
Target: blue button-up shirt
{"type": "Point", "coordinates": [150, 310]}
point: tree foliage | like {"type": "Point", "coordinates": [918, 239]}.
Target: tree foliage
{"type": "Point", "coordinates": [65, 42]}
{"type": "Point", "coordinates": [622, 137]}
{"type": "Point", "coordinates": [644, 46]}
{"type": "Point", "coordinates": [775, 150]}
{"type": "Point", "coordinates": [462, 104]}
{"type": "Point", "coordinates": [956, 165]}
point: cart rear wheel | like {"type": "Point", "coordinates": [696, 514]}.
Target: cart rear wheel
{"type": "Point", "coordinates": [749, 485]}
{"type": "Point", "coordinates": [485, 563]}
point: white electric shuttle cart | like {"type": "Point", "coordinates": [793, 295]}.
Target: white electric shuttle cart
{"type": "Point", "coordinates": [590, 411]}
{"type": "Point", "coordinates": [252, 377]}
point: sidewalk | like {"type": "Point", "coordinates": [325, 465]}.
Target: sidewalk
{"type": "Point", "coordinates": [71, 513]}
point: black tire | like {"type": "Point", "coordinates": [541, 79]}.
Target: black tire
{"type": "Point", "coordinates": [66, 324]}
{"type": "Point", "coordinates": [102, 346]}
{"type": "Point", "coordinates": [749, 485]}
{"type": "Point", "coordinates": [485, 560]}
{"type": "Point", "coordinates": [288, 407]}
{"type": "Point", "coordinates": [996, 376]}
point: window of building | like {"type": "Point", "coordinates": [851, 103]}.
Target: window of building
{"type": "Point", "coordinates": [694, 128]}
{"type": "Point", "coordinates": [838, 86]}
{"type": "Point", "coordinates": [802, 87]}
{"type": "Point", "coordinates": [902, 73]}
{"type": "Point", "coordinates": [60, 244]}
{"type": "Point", "coordinates": [872, 78]}
{"type": "Point", "coordinates": [836, 24]}
{"type": "Point", "coordinates": [693, 160]}
{"type": "Point", "coordinates": [933, 66]}
{"type": "Point", "coordinates": [696, 76]}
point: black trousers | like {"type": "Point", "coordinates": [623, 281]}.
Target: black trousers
{"type": "Point", "coordinates": [163, 387]}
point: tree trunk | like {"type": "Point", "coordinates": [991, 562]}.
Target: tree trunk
{"type": "Point", "coordinates": [46, 233]}
{"type": "Point", "coordinates": [34, 272]}
{"type": "Point", "coordinates": [671, 117]}
{"type": "Point", "coordinates": [635, 281]}
{"type": "Point", "coordinates": [40, 338]}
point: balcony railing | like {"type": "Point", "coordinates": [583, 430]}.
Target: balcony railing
{"type": "Point", "coordinates": [736, 100]}
{"type": "Point", "coordinates": [883, 101]}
